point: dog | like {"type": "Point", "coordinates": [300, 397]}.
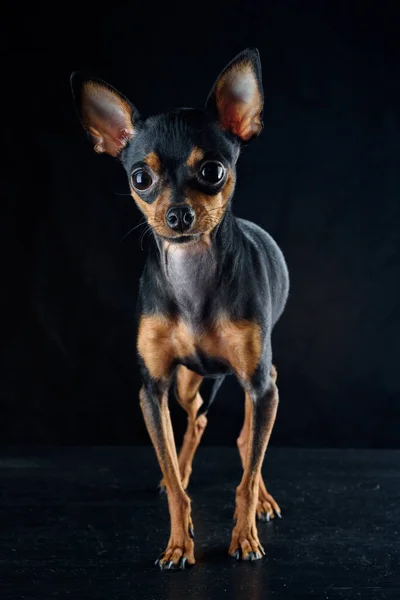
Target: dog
{"type": "Point", "coordinates": [212, 288]}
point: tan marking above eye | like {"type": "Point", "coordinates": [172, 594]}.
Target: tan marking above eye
{"type": "Point", "coordinates": [196, 155]}
{"type": "Point", "coordinates": [162, 340]}
{"type": "Point", "coordinates": [153, 161]}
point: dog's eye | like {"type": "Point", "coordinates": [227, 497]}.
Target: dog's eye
{"type": "Point", "coordinates": [141, 179]}
{"type": "Point", "coordinates": [212, 172]}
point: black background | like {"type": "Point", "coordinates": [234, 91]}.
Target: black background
{"type": "Point", "coordinates": [323, 179]}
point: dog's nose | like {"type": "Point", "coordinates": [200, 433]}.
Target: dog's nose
{"type": "Point", "coordinates": [180, 218]}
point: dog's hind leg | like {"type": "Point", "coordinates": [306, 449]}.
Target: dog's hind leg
{"type": "Point", "coordinates": [187, 393]}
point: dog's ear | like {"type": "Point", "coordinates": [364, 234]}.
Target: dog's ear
{"type": "Point", "coordinates": [236, 100]}
{"type": "Point", "coordinates": [107, 115]}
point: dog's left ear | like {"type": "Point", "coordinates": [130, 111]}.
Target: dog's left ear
{"type": "Point", "coordinates": [236, 100]}
{"type": "Point", "coordinates": [108, 117]}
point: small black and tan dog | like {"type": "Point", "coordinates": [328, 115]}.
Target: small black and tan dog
{"type": "Point", "coordinates": [213, 286]}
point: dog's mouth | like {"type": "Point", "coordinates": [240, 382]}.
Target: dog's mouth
{"type": "Point", "coordinates": [183, 239]}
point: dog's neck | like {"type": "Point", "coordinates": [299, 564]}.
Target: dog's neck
{"type": "Point", "coordinates": [193, 271]}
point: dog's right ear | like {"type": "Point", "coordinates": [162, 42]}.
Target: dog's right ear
{"type": "Point", "coordinates": [108, 117]}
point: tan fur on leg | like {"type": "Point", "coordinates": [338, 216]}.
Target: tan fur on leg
{"type": "Point", "coordinates": [187, 387]}
{"type": "Point", "coordinates": [267, 507]}
{"type": "Point", "coordinates": [244, 536]}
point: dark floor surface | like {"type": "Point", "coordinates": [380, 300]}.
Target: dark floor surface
{"type": "Point", "coordinates": [88, 523]}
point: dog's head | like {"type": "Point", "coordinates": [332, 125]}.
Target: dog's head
{"type": "Point", "coordinates": [180, 164]}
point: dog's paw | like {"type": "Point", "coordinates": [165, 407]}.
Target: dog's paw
{"type": "Point", "coordinates": [179, 552]}
{"type": "Point", "coordinates": [267, 508]}
{"type": "Point", "coordinates": [245, 544]}
{"type": "Point", "coordinates": [174, 559]}
{"type": "Point", "coordinates": [177, 556]}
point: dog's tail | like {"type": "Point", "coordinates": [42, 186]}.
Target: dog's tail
{"type": "Point", "coordinates": [215, 385]}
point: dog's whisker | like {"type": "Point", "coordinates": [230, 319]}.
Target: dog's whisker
{"type": "Point", "coordinates": [133, 229]}
{"type": "Point", "coordinates": [149, 228]}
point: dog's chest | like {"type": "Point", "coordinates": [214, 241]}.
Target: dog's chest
{"type": "Point", "coordinates": [191, 276]}
{"type": "Point", "coordinates": [234, 345]}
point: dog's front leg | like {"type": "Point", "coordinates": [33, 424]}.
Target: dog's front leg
{"type": "Point", "coordinates": [263, 404]}
{"type": "Point", "coordinates": [154, 404]}
{"type": "Point", "coordinates": [267, 507]}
